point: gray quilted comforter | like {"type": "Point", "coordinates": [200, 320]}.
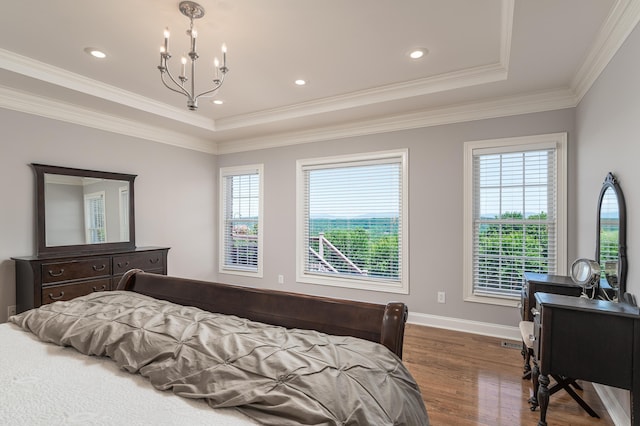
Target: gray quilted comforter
{"type": "Point", "coordinates": [273, 375]}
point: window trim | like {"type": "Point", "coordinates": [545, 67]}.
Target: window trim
{"type": "Point", "coordinates": [235, 171]}
{"type": "Point", "coordinates": [515, 144]}
{"type": "Point", "coordinates": [401, 287]}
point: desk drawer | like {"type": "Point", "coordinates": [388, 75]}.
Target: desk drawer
{"type": "Point", "coordinates": [55, 272]}
{"type": "Point", "coordinates": [147, 261]}
{"type": "Point", "coordinates": [54, 293]}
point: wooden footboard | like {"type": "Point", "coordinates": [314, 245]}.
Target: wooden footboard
{"type": "Point", "coordinates": [375, 322]}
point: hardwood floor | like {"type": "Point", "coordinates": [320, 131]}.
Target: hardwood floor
{"type": "Point", "coordinates": [467, 379]}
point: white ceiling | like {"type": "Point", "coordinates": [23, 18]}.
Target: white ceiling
{"type": "Point", "coordinates": [486, 58]}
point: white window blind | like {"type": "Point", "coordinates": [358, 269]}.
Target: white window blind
{"type": "Point", "coordinates": [353, 221]}
{"type": "Point", "coordinates": [241, 220]}
{"type": "Point", "coordinates": [514, 218]}
{"type": "Point", "coordinates": [95, 224]}
{"type": "Point", "coordinates": [124, 213]}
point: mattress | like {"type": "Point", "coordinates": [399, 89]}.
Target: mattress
{"type": "Point", "coordinates": [45, 384]}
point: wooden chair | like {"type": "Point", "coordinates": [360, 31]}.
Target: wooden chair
{"type": "Point", "coordinates": [526, 332]}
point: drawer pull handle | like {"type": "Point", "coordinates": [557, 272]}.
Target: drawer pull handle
{"type": "Point", "coordinates": [535, 312]}
{"type": "Point", "coordinates": [103, 288]}
{"type": "Point", "coordinates": [123, 265]}
{"type": "Point", "coordinates": [156, 260]}
{"type": "Point", "coordinates": [53, 274]}
{"type": "Point", "coordinates": [52, 297]}
{"type": "Point", "coordinates": [99, 268]}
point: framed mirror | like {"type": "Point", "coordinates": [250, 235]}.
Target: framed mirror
{"type": "Point", "coordinates": [81, 210]}
{"type": "Point", "coordinates": [611, 239]}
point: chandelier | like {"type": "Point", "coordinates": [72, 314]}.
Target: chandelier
{"type": "Point", "coordinates": [192, 11]}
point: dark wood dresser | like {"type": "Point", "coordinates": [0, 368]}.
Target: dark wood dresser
{"type": "Point", "coordinates": [593, 340]}
{"type": "Point", "coordinates": [46, 279]}
{"type": "Point", "coordinates": [544, 283]}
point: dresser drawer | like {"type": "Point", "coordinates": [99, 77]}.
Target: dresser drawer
{"type": "Point", "coordinates": [75, 269]}
{"type": "Point", "coordinates": [147, 261]}
{"type": "Point", "coordinates": [54, 293]}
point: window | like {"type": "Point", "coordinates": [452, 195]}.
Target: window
{"type": "Point", "coordinates": [95, 227]}
{"type": "Point", "coordinates": [241, 220]}
{"type": "Point", "coordinates": [352, 221]}
{"type": "Point", "coordinates": [515, 214]}
{"type": "Point", "coordinates": [123, 192]}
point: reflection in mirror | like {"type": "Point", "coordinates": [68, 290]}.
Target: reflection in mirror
{"type": "Point", "coordinates": [83, 210]}
{"type": "Point", "coordinates": [611, 239]}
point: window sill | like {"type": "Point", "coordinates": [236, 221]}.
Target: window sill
{"type": "Point", "coordinates": [492, 300]}
{"type": "Point", "coordinates": [355, 284]}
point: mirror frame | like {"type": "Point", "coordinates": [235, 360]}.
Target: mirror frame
{"type": "Point", "coordinates": [41, 227]}
{"type": "Point", "coordinates": [611, 182]}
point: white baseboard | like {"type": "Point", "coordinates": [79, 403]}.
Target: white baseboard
{"type": "Point", "coordinates": [617, 413]}
{"type": "Point", "coordinates": [457, 324]}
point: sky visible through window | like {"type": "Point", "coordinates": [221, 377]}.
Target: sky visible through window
{"type": "Point", "coordinates": [353, 192]}
{"type": "Point", "coordinates": [516, 182]}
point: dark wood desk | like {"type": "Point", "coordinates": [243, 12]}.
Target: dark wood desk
{"type": "Point", "coordinates": [592, 340]}
{"type": "Point", "coordinates": [545, 283]}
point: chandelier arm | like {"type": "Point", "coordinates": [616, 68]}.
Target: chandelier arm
{"type": "Point", "coordinates": [218, 85]}
{"type": "Point", "coordinates": [169, 87]}
{"type": "Point", "coordinates": [181, 90]}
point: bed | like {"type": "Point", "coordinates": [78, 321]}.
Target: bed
{"type": "Point", "coordinates": [254, 356]}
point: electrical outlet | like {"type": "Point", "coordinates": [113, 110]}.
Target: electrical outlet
{"type": "Point", "coordinates": [280, 279]}
{"type": "Point", "coordinates": [441, 297]}
{"type": "Point", "coordinates": [11, 310]}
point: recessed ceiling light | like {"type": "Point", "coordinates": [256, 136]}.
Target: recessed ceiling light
{"type": "Point", "coordinates": [300, 82]}
{"type": "Point", "coordinates": [418, 53]}
{"type": "Point", "coordinates": [218, 101]}
{"type": "Point", "coordinates": [96, 53]}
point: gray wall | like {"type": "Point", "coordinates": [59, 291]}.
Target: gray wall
{"type": "Point", "coordinates": [175, 191]}
{"type": "Point", "coordinates": [608, 134]}
{"type": "Point", "coordinates": [435, 210]}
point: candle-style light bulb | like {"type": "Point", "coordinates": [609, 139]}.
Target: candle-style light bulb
{"type": "Point", "coordinates": [194, 35]}
{"type": "Point", "coordinates": [184, 65]}
{"type": "Point", "coordinates": [166, 39]}
{"type": "Point", "coordinates": [224, 55]}
{"type": "Point", "coordinates": [216, 66]}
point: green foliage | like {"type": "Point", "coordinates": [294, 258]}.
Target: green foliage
{"type": "Point", "coordinates": [377, 254]}
{"type": "Point", "coordinates": [609, 244]}
{"type": "Point", "coordinates": [506, 250]}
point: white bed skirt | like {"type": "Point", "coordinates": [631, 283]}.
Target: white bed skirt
{"type": "Point", "coordinates": [45, 384]}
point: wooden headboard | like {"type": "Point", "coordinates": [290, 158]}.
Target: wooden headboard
{"type": "Point", "coordinates": [375, 322]}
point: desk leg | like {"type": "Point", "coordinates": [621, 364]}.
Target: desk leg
{"type": "Point", "coordinates": [543, 398]}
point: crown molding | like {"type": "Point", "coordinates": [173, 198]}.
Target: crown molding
{"type": "Point", "coordinates": [449, 81]}
{"type": "Point", "coordinates": [503, 107]}
{"type": "Point", "coordinates": [506, 33]}
{"type": "Point", "coordinates": [60, 77]}
{"type": "Point", "coordinates": [623, 18]}
{"type": "Point", "coordinates": [43, 107]}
